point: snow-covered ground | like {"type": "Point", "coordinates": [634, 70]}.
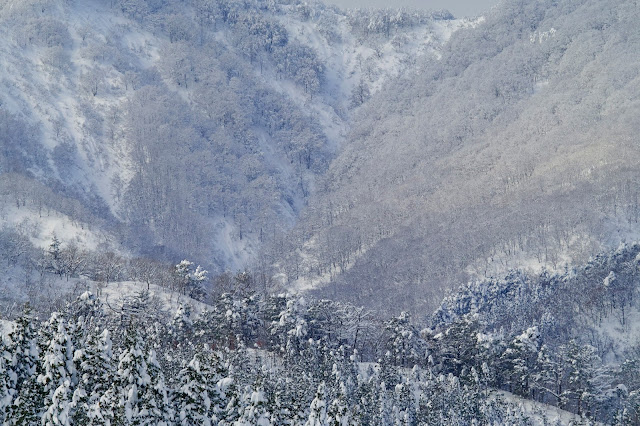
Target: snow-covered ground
{"type": "Point", "coordinates": [40, 227]}
{"type": "Point", "coordinates": [113, 295]}
{"type": "Point", "coordinates": [539, 413]}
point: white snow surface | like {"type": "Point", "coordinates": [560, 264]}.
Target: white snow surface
{"type": "Point", "coordinates": [115, 293]}
{"type": "Point", "coordinates": [539, 413]}
{"type": "Point", "coordinates": [42, 226]}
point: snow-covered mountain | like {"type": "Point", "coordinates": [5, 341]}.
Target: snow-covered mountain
{"type": "Point", "coordinates": [516, 149]}
{"type": "Point", "coordinates": [185, 129]}
{"type": "Point", "coordinates": [409, 151]}
{"type": "Point", "coordinates": [364, 162]}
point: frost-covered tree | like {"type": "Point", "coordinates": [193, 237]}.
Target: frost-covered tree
{"type": "Point", "coordinates": [28, 398]}
{"type": "Point", "coordinates": [22, 350]}
{"type": "Point", "coordinates": [95, 376]}
{"type": "Point", "coordinates": [131, 382]}
{"type": "Point", "coordinates": [404, 342]}
{"type": "Point", "coordinates": [256, 408]}
{"type": "Point", "coordinates": [200, 397]}
{"type": "Point", "coordinates": [291, 326]}
{"type": "Point", "coordinates": [155, 408]}
{"type": "Point", "coordinates": [191, 280]}
{"type": "Point", "coordinates": [59, 376]}
{"type": "Point", "coordinates": [338, 411]}
{"type": "Point", "coordinates": [7, 392]}
{"type": "Point", "coordinates": [519, 360]}
{"type": "Point", "coordinates": [318, 408]}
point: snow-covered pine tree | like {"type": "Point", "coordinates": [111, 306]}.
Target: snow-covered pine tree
{"type": "Point", "coordinates": [291, 328]}
{"type": "Point", "coordinates": [24, 364]}
{"type": "Point", "coordinates": [130, 380]}
{"type": "Point", "coordinates": [200, 397]}
{"type": "Point", "coordinates": [403, 341]}
{"type": "Point", "coordinates": [256, 410]}
{"type": "Point", "coordinates": [281, 412]}
{"type": "Point", "coordinates": [384, 404]}
{"type": "Point", "coordinates": [404, 407]}
{"type": "Point", "coordinates": [365, 410]}
{"type": "Point", "coordinates": [7, 392]}
{"type": "Point", "coordinates": [23, 348]}
{"type": "Point", "coordinates": [587, 378]}
{"type": "Point", "coordinates": [95, 374]}
{"type": "Point", "coordinates": [28, 406]}
{"type": "Point", "coordinates": [318, 409]}
{"type": "Point", "coordinates": [517, 362]}
{"type": "Point", "coordinates": [190, 280]}
{"type": "Point", "coordinates": [83, 315]}
{"type": "Point", "coordinates": [54, 256]}
{"type": "Point", "coordinates": [153, 402]}
{"type": "Point", "coordinates": [181, 325]}
{"type": "Point", "coordinates": [192, 399]}
{"type": "Point", "coordinates": [338, 412]}
{"type": "Point", "coordinates": [58, 377]}
{"type": "Point", "coordinates": [388, 374]}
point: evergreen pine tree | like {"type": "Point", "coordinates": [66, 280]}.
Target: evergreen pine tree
{"type": "Point", "coordinates": [201, 394]}
{"type": "Point", "coordinates": [255, 412]}
{"type": "Point", "coordinates": [95, 374]}
{"type": "Point", "coordinates": [338, 412]}
{"type": "Point", "coordinates": [28, 407]}
{"type": "Point", "coordinates": [23, 349]}
{"type": "Point", "coordinates": [130, 381]}
{"type": "Point", "coordinates": [58, 375]}
{"type": "Point", "coordinates": [153, 403]}
{"type": "Point", "coordinates": [318, 409]}
{"type": "Point", "coordinates": [23, 366]}
{"type": "Point", "coordinates": [7, 392]}
{"type": "Point", "coordinates": [192, 401]}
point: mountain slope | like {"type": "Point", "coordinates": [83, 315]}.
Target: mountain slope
{"type": "Point", "coordinates": [515, 148]}
{"type": "Point", "coordinates": [193, 128]}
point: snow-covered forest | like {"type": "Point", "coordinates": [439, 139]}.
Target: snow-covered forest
{"type": "Point", "coordinates": [251, 212]}
{"type": "Point", "coordinates": [564, 340]}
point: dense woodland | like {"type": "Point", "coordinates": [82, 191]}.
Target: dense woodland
{"type": "Point", "coordinates": [188, 128]}
{"type": "Point", "coordinates": [314, 185]}
{"type": "Point", "coordinates": [518, 147]}
{"type": "Point", "coordinates": [283, 359]}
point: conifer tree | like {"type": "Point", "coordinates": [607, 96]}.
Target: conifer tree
{"type": "Point", "coordinates": [318, 409]}
{"type": "Point", "coordinates": [24, 365]}
{"type": "Point", "coordinates": [23, 349]}
{"type": "Point", "coordinates": [95, 375]}
{"type": "Point", "coordinates": [7, 392]}
{"type": "Point", "coordinates": [131, 378]}
{"type": "Point", "coordinates": [338, 412]}
{"type": "Point", "coordinates": [153, 400]}
{"type": "Point", "coordinates": [28, 406]}
{"type": "Point", "coordinates": [256, 410]}
{"type": "Point", "coordinates": [58, 376]}
{"type": "Point", "coordinates": [200, 397]}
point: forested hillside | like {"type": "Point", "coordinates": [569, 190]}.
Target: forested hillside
{"type": "Point", "coordinates": [248, 212]}
{"type": "Point", "coordinates": [551, 340]}
{"type": "Point", "coordinates": [516, 149]}
{"type": "Point", "coordinates": [175, 129]}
